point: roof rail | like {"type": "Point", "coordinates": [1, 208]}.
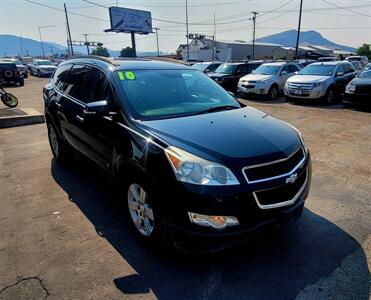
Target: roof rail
{"type": "Point", "coordinates": [104, 59]}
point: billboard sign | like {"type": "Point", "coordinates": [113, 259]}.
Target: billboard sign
{"type": "Point", "coordinates": [130, 20]}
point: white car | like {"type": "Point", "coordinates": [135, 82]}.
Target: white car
{"type": "Point", "coordinates": [42, 67]}
{"type": "Point", "coordinates": [268, 79]}
{"type": "Point", "coordinates": [362, 59]}
{"type": "Point", "coordinates": [321, 80]}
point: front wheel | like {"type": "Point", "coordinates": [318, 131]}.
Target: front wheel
{"type": "Point", "coordinates": [38, 73]}
{"type": "Point", "coordinates": [144, 214]}
{"type": "Point", "coordinates": [273, 92]}
{"type": "Point", "coordinates": [9, 100]}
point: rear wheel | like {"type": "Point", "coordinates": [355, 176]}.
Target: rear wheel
{"type": "Point", "coordinates": [21, 82]}
{"type": "Point", "coordinates": [61, 152]}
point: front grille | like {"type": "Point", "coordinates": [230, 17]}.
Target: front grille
{"type": "Point", "coordinates": [282, 195]}
{"type": "Point", "coordinates": [363, 89]}
{"type": "Point", "coordinates": [300, 89]}
{"type": "Point", "coordinates": [248, 86]}
{"type": "Point", "coordinates": [273, 169]}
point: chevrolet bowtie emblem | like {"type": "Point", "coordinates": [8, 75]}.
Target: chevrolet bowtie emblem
{"type": "Point", "coordinates": [292, 178]}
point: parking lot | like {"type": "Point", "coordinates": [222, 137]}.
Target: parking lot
{"type": "Point", "coordinates": [63, 235]}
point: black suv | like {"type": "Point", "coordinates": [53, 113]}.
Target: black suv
{"type": "Point", "coordinates": [10, 74]}
{"type": "Point", "coordinates": [228, 74]}
{"type": "Point", "coordinates": [192, 161]}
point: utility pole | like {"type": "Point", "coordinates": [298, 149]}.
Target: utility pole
{"type": "Point", "coordinates": [253, 38]}
{"type": "Point", "coordinates": [158, 47]}
{"type": "Point", "coordinates": [21, 46]}
{"type": "Point", "coordinates": [86, 42]}
{"type": "Point", "coordinates": [214, 39]}
{"type": "Point", "coordinates": [133, 46]}
{"type": "Point", "coordinates": [51, 51]}
{"type": "Point", "coordinates": [299, 26]}
{"type": "Point", "coordinates": [68, 29]}
{"type": "Point", "coordinates": [187, 30]}
{"type": "Point", "coordinates": [41, 41]}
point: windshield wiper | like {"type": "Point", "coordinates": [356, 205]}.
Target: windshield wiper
{"type": "Point", "coordinates": [217, 108]}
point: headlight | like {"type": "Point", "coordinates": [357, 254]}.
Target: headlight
{"type": "Point", "coordinates": [192, 169]}
{"type": "Point", "coordinates": [262, 82]}
{"type": "Point", "coordinates": [350, 88]}
{"type": "Point", "coordinates": [316, 84]}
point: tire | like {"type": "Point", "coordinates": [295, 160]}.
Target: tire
{"type": "Point", "coordinates": [61, 152]}
{"type": "Point", "coordinates": [330, 96]}
{"type": "Point", "coordinates": [21, 82]}
{"type": "Point", "coordinates": [273, 92]}
{"type": "Point", "coordinates": [9, 100]}
{"type": "Point", "coordinates": [144, 215]}
{"type": "Point", "coordinates": [38, 73]}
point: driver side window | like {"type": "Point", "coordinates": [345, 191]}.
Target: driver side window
{"type": "Point", "coordinates": [96, 86]}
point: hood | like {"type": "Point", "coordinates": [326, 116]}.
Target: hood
{"type": "Point", "coordinates": [47, 67]}
{"type": "Point", "coordinates": [242, 135]}
{"type": "Point", "coordinates": [218, 75]}
{"type": "Point", "coordinates": [257, 77]}
{"type": "Point", "coordinates": [361, 81]}
{"type": "Point", "coordinates": [307, 78]}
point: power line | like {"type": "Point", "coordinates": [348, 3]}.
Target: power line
{"type": "Point", "coordinates": [346, 9]}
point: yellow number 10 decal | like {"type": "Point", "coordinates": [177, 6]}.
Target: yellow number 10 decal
{"type": "Point", "coordinates": [129, 75]}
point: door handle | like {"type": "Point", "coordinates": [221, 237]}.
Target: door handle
{"type": "Point", "coordinates": [79, 118]}
{"type": "Point", "coordinates": [58, 105]}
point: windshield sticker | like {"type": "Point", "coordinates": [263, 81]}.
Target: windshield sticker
{"type": "Point", "coordinates": [121, 75]}
{"type": "Point", "coordinates": [129, 75]}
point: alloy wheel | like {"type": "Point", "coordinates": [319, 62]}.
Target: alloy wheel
{"type": "Point", "coordinates": [140, 209]}
{"type": "Point", "coordinates": [53, 140]}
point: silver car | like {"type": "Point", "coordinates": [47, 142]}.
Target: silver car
{"type": "Point", "coordinates": [321, 80]}
{"type": "Point", "coordinates": [42, 67]}
{"type": "Point", "coordinates": [268, 79]}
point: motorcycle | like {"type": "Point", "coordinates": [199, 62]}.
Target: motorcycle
{"type": "Point", "coordinates": [7, 98]}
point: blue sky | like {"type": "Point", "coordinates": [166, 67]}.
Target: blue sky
{"type": "Point", "coordinates": [349, 27]}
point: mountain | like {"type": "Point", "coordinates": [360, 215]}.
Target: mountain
{"type": "Point", "coordinates": [311, 37]}
{"type": "Point", "coordinates": [10, 45]}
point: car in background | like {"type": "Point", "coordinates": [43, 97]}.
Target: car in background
{"type": "Point", "coordinates": [362, 59]}
{"type": "Point", "coordinates": [42, 67]}
{"type": "Point", "coordinates": [327, 58]}
{"type": "Point", "coordinates": [20, 66]}
{"type": "Point", "coordinates": [268, 79]}
{"type": "Point", "coordinates": [321, 80]}
{"type": "Point", "coordinates": [9, 73]}
{"type": "Point", "coordinates": [359, 89]}
{"type": "Point", "coordinates": [207, 67]}
{"type": "Point", "coordinates": [228, 74]}
{"type": "Point", "coordinates": [304, 62]}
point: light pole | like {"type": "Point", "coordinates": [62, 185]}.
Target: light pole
{"type": "Point", "coordinates": [86, 42]}
{"type": "Point", "coordinates": [158, 47]}
{"type": "Point", "coordinates": [253, 39]}
{"type": "Point", "coordinates": [41, 40]}
{"type": "Point", "coordinates": [299, 25]}
{"type": "Point", "coordinates": [187, 30]}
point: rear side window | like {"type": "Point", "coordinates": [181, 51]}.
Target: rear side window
{"type": "Point", "coordinates": [60, 76]}
{"type": "Point", "coordinates": [348, 68]}
{"type": "Point", "coordinates": [96, 86]}
{"type": "Point", "coordinates": [293, 69]}
{"type": "Point", "coordinates": [75, 79]}
{"type": "Point", "coordinates": [340, 69]}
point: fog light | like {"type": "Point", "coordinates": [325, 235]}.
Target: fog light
{"type": "Point", "coordinates": [217, 222]}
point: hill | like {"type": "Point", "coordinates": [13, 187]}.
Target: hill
{"type": "Point", "coordinates": [311, 37]}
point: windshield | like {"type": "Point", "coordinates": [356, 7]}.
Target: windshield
{"type": "Point", "coordinates": [319, 70]}
{"type": "Point", "coordinates": [45, 63]}
{"type": "Point", "coordinates": [267, 70]}
{"type": "Point", "coordinates": [159, 94]}
{"type": "Point", "coordinates": [15, 61]}
{"type": "Point", "coordinates": [200, 66]}
{"type": "Point", "coordinates": [226, 69]}
{"type": "Point", "coordinates": [366, 72]}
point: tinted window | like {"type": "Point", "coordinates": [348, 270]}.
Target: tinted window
{"type": "Point", "coordinates": [285, 69]}
{"type": "Point", "coordinates": [60, 76]}
{"type": "Point", "coordinates": [242, 69]}
{"type": "Point", "coordinates": [340, 69]}
{"type": "Point", "coordinates": [96, 86]}
{"type": "Point", "coordinates": [348, 68]}
{"type": "Point", "coordinates": [293, 69]}
{"type": "Point", "coordinates": [213, 67]}
{"type": "Point", "coordinates": [155, 94]}
{"type": "Point", "coordinates": [74, 85]}
{"type": "Point", "coordinates": [251, 67]}
{"type": "Point", "coordinates": [226, 69]}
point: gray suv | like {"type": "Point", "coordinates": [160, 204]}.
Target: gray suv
{"type": "Point", "coordinates": [321, 80]}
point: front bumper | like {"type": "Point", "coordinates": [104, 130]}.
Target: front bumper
{"type": "Point", "coordinates": [357, 98]}
{"type": "Point", "coordinates": [46, 72]}
{"type": "Point", "coordinates": [237, 201]}
{"type": "Point", "coordinates": [314, 93]}
{"type": "Point", "coordinates": [252, 89]}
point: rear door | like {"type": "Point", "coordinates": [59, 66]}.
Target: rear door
{"type": "Point", "coordinates": [72, 107]}
{"type": "Point", "coordinates": [283, 76]}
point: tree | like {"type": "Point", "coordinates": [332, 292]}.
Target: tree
{"type": "Point", "coordinates": [364, 50]}
{"type": "Point", "coordinates": [127, 52]}
{"type": "Point", "coordinates": [100, 51]}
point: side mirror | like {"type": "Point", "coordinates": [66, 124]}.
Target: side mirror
{"type": "Point", "coordinates": [284, 73]}
{"type": "Point", "coordinates": [296, 72]}
{"type": "Point", "coordinates": [253, 72]}
{"type": "Point", "coordinates": [99, 108]}
{"type": "Point", "coordinates": [339, 74]}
